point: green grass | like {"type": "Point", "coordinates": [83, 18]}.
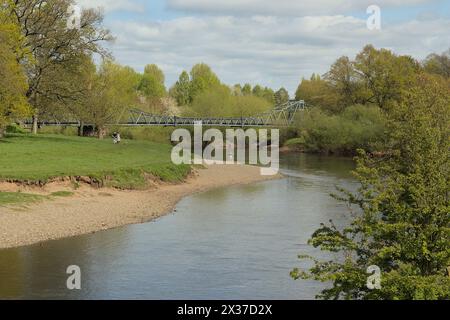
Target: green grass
{"type": "Point", "coordinates": [62, 194]}
{"type": "Point", "coordinates": [43, 157]}
{"type": "Point", "coordinates": [14, 198]}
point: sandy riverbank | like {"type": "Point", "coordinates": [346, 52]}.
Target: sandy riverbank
{"type": "Point", "coordinates": [91, 210]}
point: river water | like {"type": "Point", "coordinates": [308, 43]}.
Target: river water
{"type": "Point", "coordinates": [230, 243]}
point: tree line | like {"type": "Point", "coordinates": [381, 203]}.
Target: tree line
{"type": "Point", "coordinates": [351, 104]}
{"type": "Point", "coordinates": [48, 71]}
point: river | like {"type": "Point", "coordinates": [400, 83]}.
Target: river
{"type": "Point", "coordinates": [230, 243]}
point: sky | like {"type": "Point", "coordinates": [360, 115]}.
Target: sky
{"type": "Point", "coordinates": [274, 43]}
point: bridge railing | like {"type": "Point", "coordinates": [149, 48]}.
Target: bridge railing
{"type": "Point", "coordinates": [282, 116]}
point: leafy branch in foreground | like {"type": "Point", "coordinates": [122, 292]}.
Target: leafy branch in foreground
{"type": "Point", "coordinates": [402, 223]}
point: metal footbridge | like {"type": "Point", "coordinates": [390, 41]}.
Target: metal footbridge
{"type": "Point", "coordinates": [280, 116]}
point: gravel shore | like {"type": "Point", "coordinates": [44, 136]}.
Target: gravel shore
{"type": "Point", "coordinates": [90, 210]}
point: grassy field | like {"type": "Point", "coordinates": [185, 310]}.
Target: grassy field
{"type": "Point", "coordinates": [43, 157]}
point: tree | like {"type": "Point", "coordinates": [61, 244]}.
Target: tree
{"type": "Point", "coordinates": [344, 79]}
{"type": "Point", "coordinates": [248, 106]}
{"type": "Point", "coordinates": [385, 75]}
{"type": "Point", "coordinates": [257, 91]}
{"type": "Point", "coordinates": [181, 90]}
{"type": "Point", "coordinates": [111, 90]}
{"type": "Point", "coordinates": [237, 90]}
{"type": "Point", "coordinates": [401, 220]}
{"type": "Point", "coordinates": [438, 64]}
{"type": "Point", "coordinates": [202, 79]}
{"type": "Point", "coordinates": [155, 72]}
{"type": "Point", "coordinates": [247, 89]}
{"type": "Point", "coordinates": [13, 85]}
{"type": "Point", "coordinates": [63, 90]}
{"type": "Point", "coordinates": [220, 101]}
{"type": "Point", "coordinates": [281, 96]}
{"type": "Point", "coordinates": [215, 102]}
{"type": "Point", "coordinates": [151, 87]}
{"type": "Point", "coordinates": [317, 93]}
{"type": "Point", "coordinates": [43, 25]}
{"type": "Point", "coordinates": [269, 95]}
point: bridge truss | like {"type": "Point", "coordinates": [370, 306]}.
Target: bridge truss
{"type": "Point", "coordinates": [280, 116]}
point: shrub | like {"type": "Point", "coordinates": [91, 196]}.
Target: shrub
{"type": "Point", "coordinates": [66, 131]}
{"type": "Point", "coordinates": [14, 128]}
{"type": "Point", "coordinates": [357, 127]}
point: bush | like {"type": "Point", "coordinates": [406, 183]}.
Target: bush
{"type": "Point", "coordinates": [357, 127]}
{"type": "Point", "coordinates": [66, 131]}
{"type": "Point", "coordinates": [14, 128]}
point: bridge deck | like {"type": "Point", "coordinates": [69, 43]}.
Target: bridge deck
{"type": "Point", "coordinates": [280, 116]}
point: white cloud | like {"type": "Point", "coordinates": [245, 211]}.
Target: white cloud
{"type": "Point", "coordinates": [285, 7]}
{"type": "Point", "coordinates": [268, 50]}
{"type": "Point", "coordinates": [108, 5]}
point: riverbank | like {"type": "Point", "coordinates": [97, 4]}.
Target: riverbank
{"type": "Point", "coordinates": [90, 210]}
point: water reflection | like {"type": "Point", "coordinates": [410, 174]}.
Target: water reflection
{"type": "Point", "coordinates": [230, 243]}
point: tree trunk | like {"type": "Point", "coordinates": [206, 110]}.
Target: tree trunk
{"type": "Point", "coordinates": [101, 132]}
{"type": "Point", "coordinates": [2, 132]}
{"type": "Point", "coordinates": [81, 129]}
{"type": "Point", "coordinates": [34, 129]}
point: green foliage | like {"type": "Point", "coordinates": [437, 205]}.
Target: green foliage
{"type": "Point", "coordinates": [247, 89]}
{"type": "Point", "coordinates": [202, 79]}
{"type": "Point", "coordinates": [111, 91]}
{"type": "Point", "coordinates": [181, 91]}
{"type": "Point", "coordinates": [317, 93]}
{"type": "Point", "coordinates": [55, 51]}
{"type": "Point", "coordinates": [258, 91]}
{"type": "Point", "coordinates": [346, 85]}
{"type": "Point", "coordinates": [220, 102]}
{"type": "Point", "coordinates": [66, 131]}
{"type": "Point", "coordinates": [150, 87]}
{"type": "Point", "coordinates": [14, 128]}
{"type": "Point", "coordinates": [295, 142]}
{"type": "Point", "coordinates": [154, 71]}
{"type": "Point", "coordinates": [401, 212]}
{"type": "Point", "coordinates": [246, 106]}
{"type": "Point", "coordinates": [357, 127]}
{"type": "Point", "coordinates": [384, 75]}
{"type": "Point", "coordinates": [202, 94]}
{"type": "Point", "coordinates": [13, 84]}
{"type": "Point", "coordinates": [215, 102]}
{"type": "Point", "coordinates": [438, 64]}
{"type": "Point", "coordinates": [151, 84]}
{"type": "Point", "coordinates": [281, 96]}
{"type": "Point", "coordinates": [375, 77]}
